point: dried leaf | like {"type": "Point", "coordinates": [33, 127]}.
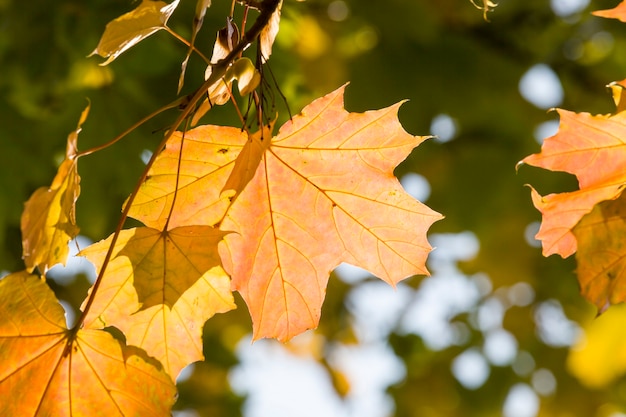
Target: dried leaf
{"type": "Point", "coordinates": [225, 41]}
{"type": "Point", "coordinates": [219, 92]}
{"type": "Point", "coordinates": [269, 33]}
{"type": "Point", "coordinates": [48, 371]}
{"type": "Point", "coordinates": [131, 28]}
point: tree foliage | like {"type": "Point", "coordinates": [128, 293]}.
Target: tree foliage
{"type": "Point", "coordinates": [286, 210]}
{"type": "Point", "coordinates": [259, 215]}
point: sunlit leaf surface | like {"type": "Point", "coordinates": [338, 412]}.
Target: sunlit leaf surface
{"type": "Point", "coordinates": [131, 28]}
{"type": "Point", "coordinates": [159, 289]}
{"type": "Point", "coordinates": [49, 220]}
{"type": "Point", "coordinates": [48, 371]}
{"type": "Point", "coordinates": [594, 149]}
{"type": "Point", "coordinates": [319, 193]}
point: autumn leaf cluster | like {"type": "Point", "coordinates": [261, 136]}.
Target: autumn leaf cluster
{"type": "Point", "coordinates": [262, 210]}
{"type": "Point", "coordinates": [223, 209]}
{"type": "Point", "coordinates": [589, 221]}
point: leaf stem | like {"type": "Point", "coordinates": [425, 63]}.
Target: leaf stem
{"type": "Point", "coordinates": [234, 101]}
{"type": "Point", "coordinates": [189, 45]}
{"type": "Point", "coordinates": [244, 19]}
{"type": "Point", "coordinates": [171, 105]}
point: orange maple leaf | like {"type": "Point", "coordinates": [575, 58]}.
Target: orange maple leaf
{"type": "Point", "coordinates": [593, 149]}
{"type": "Point", "coordinates": [48, 221]}
{"type": "Point", "coordinates": [618, 12]}
{"type": "Point", "coordinates": [320, 193]}
{"type": "Point", "coordinates": [47, 370]}
{"type": "Point", "coordinates": [159, 288]}
{"type": "Point", "coordinates": [601, 255]}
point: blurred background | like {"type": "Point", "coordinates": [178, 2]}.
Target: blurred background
{"type": "Point", "coordinates": [497, 330]}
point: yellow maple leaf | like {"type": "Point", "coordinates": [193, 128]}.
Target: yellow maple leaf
{"type": "Point", "coordinates": [48, 370]}
{"type": "Point", "coordinates": [48, 221]}
{"type": "Point", "coordinates": [159, 288]}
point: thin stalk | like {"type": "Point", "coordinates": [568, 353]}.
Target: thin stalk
{"type": "Point", "coordinates": [244, 19]}
{"type": "Point", "coordinates": [189, 45]}
{"type": "Point", "coordinates": [172, 105]}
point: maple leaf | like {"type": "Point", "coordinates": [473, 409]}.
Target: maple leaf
{"type": "Point", "coordinates": [131, 28]}
{"type": "Point", "coordinates": [159, 288]}
{"type": "Point", "coordinates": [205, 165]}
{"type": "Point", "coordinates": [593, 149]}
{"type": "Point", "coordinates": [618, 12]}
{"type": "Point", "coordinates": [46, 370]}
{"type": "Point", "coordinates": [48, 221]}
{"type": "Point", "coordinates": [601, 255]}
{"type": "Point", "coordinates": [320, 193]}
